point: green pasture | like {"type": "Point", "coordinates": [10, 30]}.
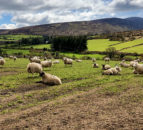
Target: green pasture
{"type": "Point", "coordinates": [100, 44]}
{"type": "Point", "coordinates": [20, 90]}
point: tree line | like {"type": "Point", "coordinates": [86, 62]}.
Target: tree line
{"type": "Point", "coordinates": [69, 43]}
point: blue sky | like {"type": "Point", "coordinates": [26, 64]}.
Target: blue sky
{"type": "Point", "coordinates": [20, 13]}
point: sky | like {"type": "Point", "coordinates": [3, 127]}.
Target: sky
{"type": "Point", "coordinates": [20, 13]}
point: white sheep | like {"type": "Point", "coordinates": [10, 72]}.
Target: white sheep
{"type": "Point", "coordinates": [2, 61]}
{"type": "Point", "coordinates": [50, 79]}
{"type": "Point", "coordinates": [132, 63]}
{"type": "Point", "coordinates": [34, 68]}
{"type": "Point", "coordinates": [95, 65]}
{"type": "Point", "coordinates": [35, 59]}
{"type": "Point", "coordinates": [56, 62]}
{"type": "Point", "coordinates": [138, 68]}
{"type": "Point", "coordinates": [125, 65]}
{"type": "Point", "coordinates": [68, 61]}
{"type": "Point", "coordinates": [93, 60]}
{"type": "Point", "coordinates": [46, 63]}
{"type": "Point", "coordinates": [112, 71]}
{"type": "Point", "coordinates": [106, 67]}
{"type": "Point", "coordinates": [78, 60]}
{"type": "Point", "coordinates": [107, 59]}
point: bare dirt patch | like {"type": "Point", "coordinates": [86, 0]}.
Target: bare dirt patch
{"type": "Point", "coordinates": [8, 73]}
{"type": "Point", "coordinates": [84, 111]}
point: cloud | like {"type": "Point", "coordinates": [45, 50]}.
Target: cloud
{"type": "Point", "coordinates": [8, 26]}
{"type": "Point", "coordinates": [26, 12]}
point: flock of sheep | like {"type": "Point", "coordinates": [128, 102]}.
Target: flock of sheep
{"type": "Point", "coordinates": [36, 66]}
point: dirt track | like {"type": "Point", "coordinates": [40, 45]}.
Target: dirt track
{"type": "Point", "coordinates": [90, 111]}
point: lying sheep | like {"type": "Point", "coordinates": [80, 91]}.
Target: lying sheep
{"type": "Point", "coordinates": [2, 61]}
{"type": "Point", "coordinates": [138, 68]}
{"type": "Point", "coordinates": [34, 68]}
{"type": "Point", "coordinates": [46, 63]}
{"type": "Point", "coordinates": [95, 65]}
{"type": "Point", "coordinates": [93, 60]}
{"type": "Point", "coordinates": [68, 61]}
{"type": "Point", "coordinates": [112, 71]}
{"type": "Point", "coordinates": [56, 62]}
{"type": "Point", "coordinates": [50, 79]}
{"type": "Point", "coordinates": [35, 59]}
{"type": "Point", "coordinates": [106, 67]}
{"type": "Point", "coordinates": [125, 65]}
{"type": "Point", "coordinates": [107, 59]}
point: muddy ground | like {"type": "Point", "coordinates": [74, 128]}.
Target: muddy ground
{"type": "Point", "coordinates": [86, 111]}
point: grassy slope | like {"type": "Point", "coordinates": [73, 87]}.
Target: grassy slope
{"type": "Point", "coordinates": [23, 91]}
{"type": "Point", "coordinates": [128, 44]}
{"type": "Point", "coordinates": [100, 44]}
{"type": "Point", "coordinates": [15, 37]}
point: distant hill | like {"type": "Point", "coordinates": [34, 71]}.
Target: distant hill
{"type": "Point", "coordinates": [108, 25]}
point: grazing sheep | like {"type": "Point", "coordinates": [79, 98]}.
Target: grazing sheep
{"type": "Point", "coordinates": [2, 61]}
{"type": "Point", "coordinates": [125, 65]}
{"type": "Point", "coordinates": [95, 65]}
{"type": "Point", "coordinates": [46, 63]}
{"type": "Point", "coordinates": [106, 67]}
{"type": "Point", "coordinates": [50, 79]}
{"type": "Point", "coordinates": [56, 62]}
{"type": "Point", "coordinates": [35, 59]}
{"type": "Point", "coordinates": [107, 59]}
{"type": "Point", "coordinates": [112, 71]}
{"type": "Point", "coordinates": [34, 68]}
{"type": "Point", "coordinates": [138, 68]}
{"type": "Point", "coordinates": [68, 61]}
{"type": "Point", "coordinates": [45, 58]}
{"type": "Point", "coordinates": [78, 60]}
{"type": "Point", "coordinates": [14, 58]}
{"type": "Point", "coordinates": [93, 60]}
{"type": "Point", "coordinates": [10, 57]}
{"type": "Point", "coordinates": [132, 63]}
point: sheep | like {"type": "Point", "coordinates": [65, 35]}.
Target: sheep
{"type": "Point", "coordinates": [123, 64]}
{"type": "Point", "coordinates": [14, 58]}
{"type": "Point", "coordinates": [34, 68]}
{"type": "Point", "coordinates": [46, 63]}
{"type": "Point", "coordinates": [107, 59]}
{"type": "Point", "coordinates": [50, 79]}
{"type": "Point", "coordinates": [68, 61]}
{"type": "Point", "coordinates": [2, 61]}
{"type": "Point", "coordinates": [35, 59]}
{"type": "Point", "coordinates": [78, 60]}
{"type": "Point", "coordinates": [56, 62]}
{"type": "Point", "coordinates": [132, 63]}
{"type": "Point", "coordinates": [106, 67]}
{"type": "Point", "coordinates": [138, 68]}
{"type": "Point", "coordinates": [10, 57]}
{"type": "Point", "coordinates": [112, 71]}
{"type": "Point", "coordinates": [93, 60]}
{"type": "Point", "coordinates": [95, 65]}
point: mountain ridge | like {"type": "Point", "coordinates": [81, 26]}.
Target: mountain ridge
{"type": "Point", "coordinates": [99, 26]}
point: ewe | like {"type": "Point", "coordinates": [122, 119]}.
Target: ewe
{"type": "Point", "coordinates": [107, 59]}
{"type": "Point", "coordinates": [112, 71]}
{"type": "Point", "coordinates": [50, 79]}
{"type": "Point", "coordinates": [106, 67]}
{"type": "Point", "coordinates": [34, 68]}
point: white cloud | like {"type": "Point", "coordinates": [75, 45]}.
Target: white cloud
{"type": "Point", "coordinates": [27, 12]}
{"type": "Point", "coordinates": [8, 26]}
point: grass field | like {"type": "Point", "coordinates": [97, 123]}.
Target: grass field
{"type": "Point", "coordinates": [15, 37]}
{"type": "Point", "coordinates": [100, 44]}
{"type": "Point", "coordinates": [130, 44]}
{"type": "Point", "coordinates": [22, 92]}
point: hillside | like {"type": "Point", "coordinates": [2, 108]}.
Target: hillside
{"type": "Point", "coordinates": [108, 25]}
